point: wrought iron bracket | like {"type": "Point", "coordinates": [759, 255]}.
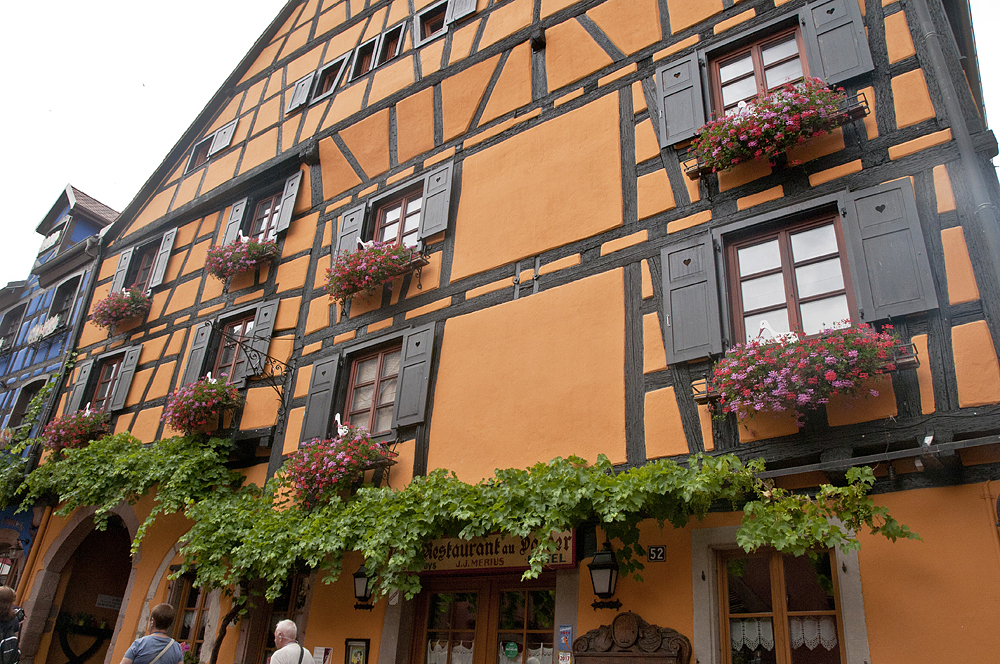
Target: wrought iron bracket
{"type": "Point", "coordinates": [606, 604]}
{"type": "Point", "coordinates": [260, 367]}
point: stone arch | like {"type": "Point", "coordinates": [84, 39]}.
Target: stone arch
{"type": "Point", "coordinates": [45, 577]}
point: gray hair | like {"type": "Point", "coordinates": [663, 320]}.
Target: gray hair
{"type": "Point", "coordinates": [288, 628]}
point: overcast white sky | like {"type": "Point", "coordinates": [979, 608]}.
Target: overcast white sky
{"type": "Point", "coordinates": [99, 90]}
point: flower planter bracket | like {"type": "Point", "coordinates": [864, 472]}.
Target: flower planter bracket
{"type": "Point", "coordinates": [703, 392]}
{"type": "Point", "coordinates": [904, 356]}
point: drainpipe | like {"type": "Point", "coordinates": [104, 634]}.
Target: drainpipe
{"type": "Point", "coordinates": [985, 218]}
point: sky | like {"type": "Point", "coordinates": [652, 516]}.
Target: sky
{"type": "Point", "coordinates": [100, 90]}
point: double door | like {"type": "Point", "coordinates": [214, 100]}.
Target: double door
{"type": "Point", "coordinates": [486, 620]}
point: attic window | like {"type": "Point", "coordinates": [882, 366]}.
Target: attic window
{"type": "Point", "coordinates": [363, 59]}
{"type": "Point", "coordinates": [215, 142]}
{"type": "Point", "coordinates": [200, 154]}
{"type": "Point", "coordinates": [391, 43]}
{"type": "Point", "coordinates": [431, 22]}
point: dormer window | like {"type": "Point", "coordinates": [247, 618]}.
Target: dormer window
{"type": "Point", "coordinates": [215, 142]}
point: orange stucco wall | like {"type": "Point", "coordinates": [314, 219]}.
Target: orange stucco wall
{"type": "Point", "coordinates": [530, 392]}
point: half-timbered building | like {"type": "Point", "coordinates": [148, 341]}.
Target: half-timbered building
{"type": "Point", "coordinates": [576, 274]}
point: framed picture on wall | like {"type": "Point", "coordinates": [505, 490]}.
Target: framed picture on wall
{"type": "Point", "coordinates": [356, 651]}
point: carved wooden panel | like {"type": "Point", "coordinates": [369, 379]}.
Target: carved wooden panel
{"type": "Point", "coordinates": [631, 640]}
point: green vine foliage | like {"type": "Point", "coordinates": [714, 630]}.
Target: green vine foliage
{"type": "Point", "coordinates": [12, 459]}
{"type": "Point", "coordinates": [259, 534]}
{"type": "Point", "coordinates": [119, 468]}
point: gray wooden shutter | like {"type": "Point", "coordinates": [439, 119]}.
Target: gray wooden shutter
{"type": "Point", "coordinates": [196, 357]}
{"type": "Point", "coordinates": [888, 258]}
{"type": "Point", "coordinates": [300, 94]}
{"type": "Point", "coordinates": [260, 340]}
{"type": "Point", "coordinates": [118, 283]}
{"type": "Point", "coordinates": [692, 327]}
{"type": "Point", "coordinates": [351, 223]}
{"type": "Point", "coordinates": [459, 9]}
{"type": "Point", "coordinates": [79, 387]}
{"type": "Point", "coordinates": [414, 376]}
{"type": "Point", "coordinates": [223, 137]}
{"type": "Point", "coordinates": [235, 221]}
{"type": "Point", "coordinates": [125, 374]}
{"type": "Point", "coordinates": [682, 107]}
{"type": "Point", "coordinates": [288, 201]}
{"type": "Point", "coordinates": [162, 256]}
{"type": "Point", "coordinates": [437, 201]}
{"type": "Point", "coordinates": [319, 402]}
{"type": "Point", "coordinates": [835, 38]}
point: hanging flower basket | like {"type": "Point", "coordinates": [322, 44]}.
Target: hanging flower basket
{"type": "Point", "coordinates": [368, 268]}
{"type": "Point", "coordinates": [800, 374]}
{"type": "Point", "coordinates": [120, 306]}
{"type": "Point", "coordinates": [320, 469]}
{"type": "Point", "coordinates": [240, 255]}
{"type": "Point", "coordinates": [766, 127]}
{"type": "Point", "coordinates": [195, 407]}
{"type": "Point", "coordinates": [75, 430]}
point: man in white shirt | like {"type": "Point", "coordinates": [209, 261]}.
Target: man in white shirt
{"type": "Point", "coordinates": [288, 651]}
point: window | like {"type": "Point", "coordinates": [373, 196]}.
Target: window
{"type": "Point", "coordinates": [20, 410]}
{"type": "Point", "coordinates": [372, 390]}
{"type": "Point", "coordinates": [189, 626]}
{"type": "Point", "coordinates": [272, 213]}
{"type": "Point", "coordinates": [408, 214]}
{"type": "Point", "coordinates": [265, 218]}
{"type": "Point", "coordinates": [778, 608]}
{"type": "Point", "coordinates": [831, 45]}
{"type": "Point", "coordinates": [328, 77]}
{"type": "Point", "coordinates": [859, 255]}
{"type": "Point", "coordinates": [398, 219]}
{"type": "Point", "coordinates": [215, 142]}
{"type": "Point", "coordinates": [290, 605]}
{"type": "Point", "coordinates": [9, 326]}
{"type": "Point", "coordinates": [104, 382]}
{"type": "Point", "coordinates": [392, 42]}
{"type": "Point", "coordinates": [384, 386]}
{"type": "Point", "coordinates": [148, 269]}
{"type": "Point", "coordinates": [233, 347]}
{"type": "Point", "coordinates": [230, 358]}
{"type": "Point", "coordinates": [430, 23]}
{"type": "Point", "coordinates": [363, 59]}
{"type": "Point", "coordinates": [757, 69]}
{"type": "Point", "coordinates": [790, 279]}
{"type": "Point", "coordinates": [62, 301]}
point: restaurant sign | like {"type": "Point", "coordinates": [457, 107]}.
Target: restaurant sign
{"type": "Point", "coordinates": [496, 552]}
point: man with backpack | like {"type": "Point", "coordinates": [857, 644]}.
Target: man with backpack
{"type": "Point", "coordinates": [10, 626]}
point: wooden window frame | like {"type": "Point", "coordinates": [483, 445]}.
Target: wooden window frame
{"type": "Point", "coordinates": [387, 39]}
{"type": "Point", "coordinates": [244, 337]}
{"type": "Point", "coordinates": [143, 267]}
{"type": "Point", "coordinates": [420, 21]}
{"type": "Point", "coordinates": [490, 589]}
{"type": "Point", "coordinates": [272, 617]}
{"type": "Point", "coordinates": [69, 295]}
{"type": "Point", "coordinates": [114, 364]}
{"type": "Point", "coordinates": [793, 302]}
{"type": "Point", "coordinates": [200, 609]}
{"type": "Point", "coordinates": [10, 324]}
{"type": "Point", "coordinates": [754, 49]}
{"type": "Point", "coordinates": [269, 230]}
{"type": "Point", "coordinates": [779, 605]}
{"type": "Point", "coordinates": [382, 208]}
{"type": "Point", "coordinates": [332, 71]}
{"type": "Point", "coordinates": [351, 415]}
{"type": "Point", "coordinates": [364, 60]}
{"type": "Point", "coordinates": [199, 154]}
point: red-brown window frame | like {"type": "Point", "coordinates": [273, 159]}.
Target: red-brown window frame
{"type": "Point", "coordinates": [143, 273]}
{"type": "Point", "coordinates": [353, 416]}
{"type": "Point", "coordinates": [429, 17]}
{"type": "Point", "coordinates": [108, 373]}
{"type": "Point", "coordinates": [787, 269]}
{"type": "Point", "coordinates": [403, 199]}
{"type": "Point", "coordinates": [199, 610]}
{"type": "Point", "coordinates": [758, 64]}
{"type": "Point", "coordinates": [265, 215]}
{"type": "Point", "coordinates": [226, 341]}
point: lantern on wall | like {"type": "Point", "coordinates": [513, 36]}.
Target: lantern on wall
{"type": "Point", "coordinates": [604, 576]}
{"type": "Point", "coordinates": [363, 589]}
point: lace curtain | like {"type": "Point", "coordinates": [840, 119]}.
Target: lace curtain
{"type": "Point", "coordinates": [437, 652]}
{"type": "Point", "coordinates": [808, 631]}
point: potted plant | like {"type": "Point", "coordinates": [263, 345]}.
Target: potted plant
{"type": "Point", "coordinates": [240, 255]}
{"type": "Point", "coordinates": [801, 373]}
{"type": "Point", "coordinates": [75, 430]}
{"type": "Point", "coordinates": [368, 268]}
{"type": "Point", "coordinates": [321, 468]}
{"type": "Point", "coordinates": [197, 406]}
{"type": "Point", "coordinates": [121, 306]}
{"type": "Point", "coordinates": [769, 125]}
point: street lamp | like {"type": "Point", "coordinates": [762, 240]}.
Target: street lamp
{"type": "Point", "coordinates": [363, 589]}
{"type": "Point", "coordinates": [604, 576]}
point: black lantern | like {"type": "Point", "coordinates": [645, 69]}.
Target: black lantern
{"type": "Point", "coordinates": [604, 576]}
{"type": "Point", "coordinates": [363, 589]}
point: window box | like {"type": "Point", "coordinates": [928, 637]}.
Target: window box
{"type": "Point", "coordinates": [121, 306]}
{"type": "Point", "coordinates": [369, 268]}
{"type": "Point", "coordinates": [238, 256]}
{"type": "Point", "coordinates": [767, 127]}
{"type": "Point", "coordinates": [198, 407]}
{"type": "Point", "coordinates": [800, 374]}
{"type": "Point", "coordinates": [342, 463]}
{"type": "Point", "coordinates": [75, 430]}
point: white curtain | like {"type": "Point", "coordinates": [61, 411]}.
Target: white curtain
{"type": "Point", "coordinates": [812, 631]}
{"type": "Point", "coordinates": [541, 654]}
{"type": "Point", "coordinates": [751, 633]}
{"type": "Point", "coordinates": [461, 653]}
